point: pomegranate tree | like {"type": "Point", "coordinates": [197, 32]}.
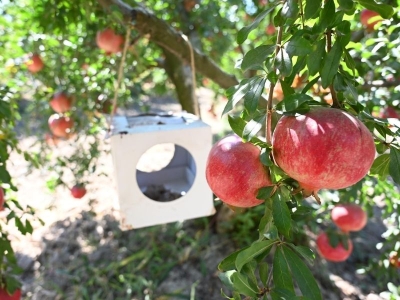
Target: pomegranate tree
{"type": "Point", "coordinates": [325, 148]}
{"type": "Point", "coordinates": [61, 102]}
{"type": "Point", "coordinates": [234, 172]}
{"type": "Point", "coordinates": [336, 254]}
{"type": "Point", "coordinates": [108, 41]}
{"type": "Point", "coordinates": [349, 217]}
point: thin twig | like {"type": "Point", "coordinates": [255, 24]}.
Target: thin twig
{"type": "Point", "coordinates": [301, 12]}
{"type": "Point", "coordinates": [336, 103]}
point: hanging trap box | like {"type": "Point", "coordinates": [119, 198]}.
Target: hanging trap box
{"type": "Point", "coordinates": [177, 192]}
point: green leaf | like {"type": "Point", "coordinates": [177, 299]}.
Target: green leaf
{"type": "Point", "coordinates": [255, 58]}
{"type": "Point", "coordinates": [303, 276]}
{"type": "Point", "coordinates": [228, 263]}
{"type": "Point", "coordinates": [279, 294]}
{"type": "Point", "coordinates": [312, 8]}
{"type": "Point", "coordinates": [244, 32]}
{"type": "Point", "coordinates": [327, 15]}
{"type": "Point", "coordinates": [235, 94]}
{"type": "Point", "coordinates": [252, 96]}
{"type": "Point", "coordinates": [298, 46]}
{"type": "Point", "coordinates": [28, 227]}
{"type": "Point", "coordinates": [249, 271]}
{"type": "Point", "coordinates": [305, 252]}
{"type": "Point", "coordinates": [293, 102]}
{"type": "Point", "coordinates": [281, 273]}
{"type": "Point", "coordinates": [281, 214]}
{"type": "Point", "coordinates": [290, 9]}
{"type": "Point", "coordinates": [394, 166]}
{"type": "Point", "coordinates": [256, 249]}
{"type": "Point", "coordinates": [264, 193]}
{"type": "Point", "coordinates": [331, 65]}
{"type": "Point", "coordinates": [241, 284]}
{"type": "Point", "coordinates": [263, 268]}
{"type": "Point", "coordinates": [386, 11]}
{"type": "Point", "coordinates": [265, 157]}
{"type": "Point", "coordinates": [253, 127]}
{"type": "Point", "coordinates": [380, 166]}
{"type": "Point", "coordinates": [346, 5]}
{"type": "Point", "coordinates": [283, 63]}
{"type": "Point", "coordinates": [237, 124]}
{"type": "Point", "coordinates": [314, 61]}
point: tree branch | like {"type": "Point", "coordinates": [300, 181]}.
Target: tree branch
{"type": "Point", "coordinates": [161, 33]}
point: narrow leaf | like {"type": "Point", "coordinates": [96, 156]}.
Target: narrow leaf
{"type": "Point", "coordinates": [386, 11]}
{"type": "Point", "coordinates": [253, 127]}
{"type": "Point", "coordinates": [331, 65]}
{"type": "Point", "coordinates": [283, 63]}
{"type": "Point", "coordinates": [242, 285]}
{"type": "Point", "coordinates": [290, 9]}
{"type": "Point", "coordinates": [312, 8]}
{"type": "Point", "coordinates": [305, 252]}
{"type": "Point", "coordinates": [237, 124]}
{"type": "Point", "coordinates": [327, 14]}
{"type": "Point", "coordinates": [255, 58]}
{"type": "Point", "coordinates": [263, 272]}
{"type": "Point", "coordinates": [394, 166]}
{"type": "Point", "coordinates": [228, 263]}
{"type": "Point", "coordinates": [253, 94]}
{"type": "Point", "coordinates": [299, 46]}
{"type": "Point", "coordinates": [281, 214]}
{"type": "Point", "coordinates": [244, 32]}
{"type": "Point", "coordinates": [281, 273]}
{"type": "Point", "coordinates": [314, 61]}
{"type": "Point", "coordinates": [380, 166]}
{"type": "Point", "coordinates": [303, 276]}
{"type": "Point", "coordinates": [256, 249]}
{"type": "Point", "coordinates": [235, 94]}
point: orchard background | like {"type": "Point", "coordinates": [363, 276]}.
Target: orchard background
{"type": "Point", "coordinates": [254, 62]}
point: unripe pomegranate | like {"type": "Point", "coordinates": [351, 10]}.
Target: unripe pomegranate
{"type": "Point", "coordinates": [35, 64]}
{"type": "Point", "coordinates": [60, 126]}
{"type": "Point", "coordinates": [108, 41]}
{"type": "Point", "coordinates": [234, 172]}
{"type": "Point", "coordinates": [365, 19]}
{"type": "Point", "coordinates": [337, 254]}
{"type": "Point", "coordinates": [349, 217]}
{"type": "Point", "coordinates": [6, 296]}
{"type": "Point", "coordinates": [78, 191]}
{"type": "Point", "coordinates": [325, 148]}
{"type": "Point", "coordinates": [61, 102]}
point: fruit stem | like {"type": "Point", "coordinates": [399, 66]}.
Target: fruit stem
{"type": "Point", "coordinates": [336, 103]}
{"type": "Point", "coordinates": [271, 90]}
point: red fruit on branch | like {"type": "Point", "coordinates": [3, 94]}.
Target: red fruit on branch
{"type": "Point", "coordinates": [234, 172]}
{"type": "Point", "coordinates": [366, 17]}
{"type": "Point", "coordinates": [390, 112]}
{"type": "Point", "coordinates": [327, 251]}
{"type": "Point", "coordinates": [349, 217]}
{"type": "Point", "coordinates": [78, 191]}
{"type": "Point", "coordinates": [394, 259]}
{"type": "Point", "coordinates": [4, 295]}
{"type": "Point", "coordinates": [60, 126]}
{"type": "Point", "coordinates": [35, 63]}
{"type": "Point", "coordinates": [108, 41]}
{"type": "Point", "coordinates": [1, 197]}
{"type": "Point", "coordinates": [325, 148]}
{"type": "Point", "coordinates": [60, 102]}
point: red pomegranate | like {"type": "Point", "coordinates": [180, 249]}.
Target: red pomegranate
{"type": "Point", "coordinates": [325, 148]}
{"type": "Point", "coordinates": [35, 64]}
{"type": "Point", "coordinates": [390, 112]}
{"type": "Point", "coordinates": [61, 102]}
{"type": "Point", "coordinates": [60, 126]}
{"type": "Point", "coordinates": [366, 17]}
{"type": "Point", "coordinates": [349, 217]}
{"type": "Point", "coordinates": [78, 191]}
{"type": "Point", "coordinates": [108, 41]}
{"type": "Point", "coordinates": [234, 172]}
{"type": "Point", "coordinates": [337, 254]}
{"type": "Point", "coordinates": [270, 29]}
{"type": "Point", "coordinates": [6, 296]}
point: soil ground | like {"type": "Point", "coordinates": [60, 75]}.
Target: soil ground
{"type": "Point", "coordinates": [82, 245]}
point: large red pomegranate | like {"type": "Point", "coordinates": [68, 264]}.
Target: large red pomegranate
{"type": "Point", "coordinates": [234, 172]}
{"type": "Point", "coordinates": [60, 126]}
{"type": "Point", "coordinates": [108, 41]}
{"type": "Point", "coordinates": [325, 148]}
{"type": "Point", "coordinates": [61, 102]}
{"type": "Point", "coordinates": [337, 254]}
{"type": "Point", "coordinates": [35, 63]}
{"type": "Point", "coordinates": [349, 217]}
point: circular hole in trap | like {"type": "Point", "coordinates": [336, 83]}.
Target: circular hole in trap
{"type": "Point", "coordinates": [165, 172]}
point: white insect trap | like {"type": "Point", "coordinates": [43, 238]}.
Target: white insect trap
{"type": "Point", "coordinates": [182, 178]}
